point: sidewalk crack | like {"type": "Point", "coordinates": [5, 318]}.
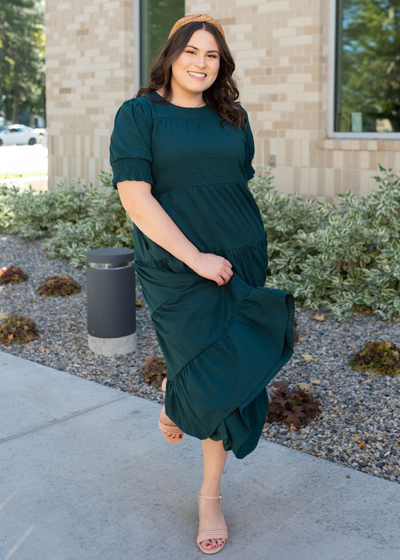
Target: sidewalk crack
{"type": "Point", "coordinates": [38, 428]}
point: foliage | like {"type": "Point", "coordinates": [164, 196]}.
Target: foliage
{"type": "Point", "coordinates": [70, 219]}
{"type": "Point", "coordinates": [61, 285]}
{"type": "Point", "coordinates": [378, 358]}
{"type": "Point", "coordinates": [344, 259]}
{"type": "Point", "coordinates": [12, 275]}
{"type": "Point", "coordinates": [154, 370]}
{"type": "Point", "coordinates": [18, 330]}
{"type": "Point", "coordinates": [291, 406]}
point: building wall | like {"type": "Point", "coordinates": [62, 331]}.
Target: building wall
{"type": "Point", "coordinates": [89, 73]}
{"type": "Point", "coordinates": [281, 50]}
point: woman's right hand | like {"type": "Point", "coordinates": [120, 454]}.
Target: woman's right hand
{"type": "Point", "coordinates": [213, 267]}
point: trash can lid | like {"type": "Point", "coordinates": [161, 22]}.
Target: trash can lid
{"type": "Point", "coordinates": [111, 255]}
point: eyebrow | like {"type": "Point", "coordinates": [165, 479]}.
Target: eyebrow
{"type": "Point", "coordinates": [193, 47]}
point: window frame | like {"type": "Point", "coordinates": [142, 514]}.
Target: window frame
{"type": "Point", "coordinates": [332, 63]}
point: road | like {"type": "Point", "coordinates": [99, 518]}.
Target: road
{"type": "Point", "coordinates": [23, 159]}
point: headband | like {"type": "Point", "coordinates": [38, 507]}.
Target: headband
{"type": "Point", "coordinates": [197, 17]}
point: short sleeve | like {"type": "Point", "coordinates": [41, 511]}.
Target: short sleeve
{"type": "Point", "coordinates": [130, 143]}
{"type": "Point", "coordinates": [250, 149]}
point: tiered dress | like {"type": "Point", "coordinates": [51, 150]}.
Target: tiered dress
{"type": "Point", "coordinates": [222, 344]}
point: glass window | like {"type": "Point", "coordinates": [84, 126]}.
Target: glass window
{"type": "Point", "coordinates": [367, 73]}
{"type": "Point", "coordinates": [157, 18]}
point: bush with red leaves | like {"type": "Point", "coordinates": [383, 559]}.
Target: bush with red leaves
{"type": "Point", "coordinates": [62, 285]}
{"type": "Point", "coordinates": [18, 330]}
{"type": "Point", "coordinates": [291, 406]}
{"type": "Point", "coordinates": [154, 370]}
{"type": "Point", "coordinates": [377, 358]}
{"type": "Point", "coordinates": [12, 275]}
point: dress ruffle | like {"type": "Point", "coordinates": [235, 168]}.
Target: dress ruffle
{"type": "Point", "coordinates": [222, 344]}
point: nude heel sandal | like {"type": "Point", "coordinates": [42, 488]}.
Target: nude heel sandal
{"type": "Point", "coordinates": [167, 430]}
{"type": "Point", "coordinates": [207, 535]}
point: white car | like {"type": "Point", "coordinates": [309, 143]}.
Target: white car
{"type": "Point", "coordinates": [19, 134]}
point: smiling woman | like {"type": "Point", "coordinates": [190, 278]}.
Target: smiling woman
{"type": "Point", "coordinates": [181, 153]}
{"type": "Point", "coordinates": [199, 65]}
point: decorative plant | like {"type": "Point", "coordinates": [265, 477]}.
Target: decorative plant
{"type": "Point", "coordinates": [18, 330]}
{"type": "Point", "coordinates": [378, 358]}
{"type": "Point", "coordinates": [291, 406]}
{"type": "Point", "coordinates": [154, 370]}
{"type": "Point", "coordinates": [61, 285]}
{"type": "Point", "coordinates": [344, 259]}
{"type": "Point", "coordinates": [71, 219]}
{"type": "Point", "coordinates": [12, 275]}
{"type": "Point", "coordinates": [341, 259]}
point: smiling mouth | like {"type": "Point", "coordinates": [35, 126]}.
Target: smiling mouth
{"type": "Point", "coordinates": [197, 74]}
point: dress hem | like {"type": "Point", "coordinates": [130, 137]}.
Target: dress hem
{"type": "Point", "coordinates": [283, 350]}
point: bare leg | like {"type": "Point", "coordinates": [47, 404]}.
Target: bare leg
{"type": "Point", "coordinates": [210, 515]}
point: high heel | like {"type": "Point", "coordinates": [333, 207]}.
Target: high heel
{"type": "Point", "coordinates": [207, 535]}
{"type": "Point", "coordinates": [166, 429]}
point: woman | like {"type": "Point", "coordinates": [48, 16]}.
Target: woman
{"type": "Point", "coordinates": [181, 154]}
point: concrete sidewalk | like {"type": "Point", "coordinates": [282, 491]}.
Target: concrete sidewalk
{"type": "Point", "coordinates": [87, 475]}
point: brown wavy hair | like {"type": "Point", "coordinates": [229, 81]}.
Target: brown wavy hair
{"type": "Point", "coordinates": [221, 96]}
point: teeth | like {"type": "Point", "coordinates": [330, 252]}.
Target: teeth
{"type": "Point", "coordinates": [197, 74]}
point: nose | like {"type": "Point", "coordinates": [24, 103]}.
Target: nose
{"type": "Point", "coordinates": [201, 63]}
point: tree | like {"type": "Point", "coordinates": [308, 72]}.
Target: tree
{"type": "Point", "coordinates": [22, 57]}
{"type": "Point", "coordinates": [369, 52]}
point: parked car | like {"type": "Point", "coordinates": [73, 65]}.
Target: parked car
{"type": "Point", "coordinates": [42, 132]}
{"type": "Point", "coordinates": [19, 134]}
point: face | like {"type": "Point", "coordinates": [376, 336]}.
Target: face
{"type": "Point", "coordinates": [201, 55]}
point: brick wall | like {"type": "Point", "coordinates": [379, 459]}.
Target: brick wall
{"type": "Point", "coordinates": [89, 73]}
{"type": "Point", "coordinates": [281, 50]}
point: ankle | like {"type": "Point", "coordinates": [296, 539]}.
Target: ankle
{"type": "Point", "coordinates": [210, 490]}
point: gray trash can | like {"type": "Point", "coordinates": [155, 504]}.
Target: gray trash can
{"type": "Point", "coordinates": [111, 301]}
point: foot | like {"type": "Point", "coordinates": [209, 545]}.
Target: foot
{"type": "Point", "coordinates": [164, 419]}
{"type": "Point", "coordinates": [211, 519]}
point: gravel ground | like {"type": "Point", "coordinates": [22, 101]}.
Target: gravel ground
{"type": "Point", "coordinates": [358, 408]}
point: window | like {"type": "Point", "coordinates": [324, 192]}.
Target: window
{"type": "Point", "coordinates": [157, 18]}
{"type": "Point", "coordinates": [367, 67]}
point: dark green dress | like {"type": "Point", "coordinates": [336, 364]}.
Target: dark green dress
{"type": "Point", "coordinates": [222, 344]}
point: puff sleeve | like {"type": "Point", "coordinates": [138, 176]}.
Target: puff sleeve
{"type": "Point", "coordinates": [130, 143]}
{"type": "Point", "coordinates": [250, 149]}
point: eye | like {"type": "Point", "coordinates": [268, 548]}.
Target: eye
{"type": "Point", "coordinates": [212, 55]}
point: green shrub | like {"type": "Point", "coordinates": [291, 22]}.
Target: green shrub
{"type": "Point", "coordinates": [344, 259]}
{"type": "Point", "coordinates": [33, 214]}
{"type": "Point", "coordinates": [70, 219]}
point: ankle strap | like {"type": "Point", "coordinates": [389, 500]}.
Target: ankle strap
{"type": "Point", "coordinates": [201, 496]}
